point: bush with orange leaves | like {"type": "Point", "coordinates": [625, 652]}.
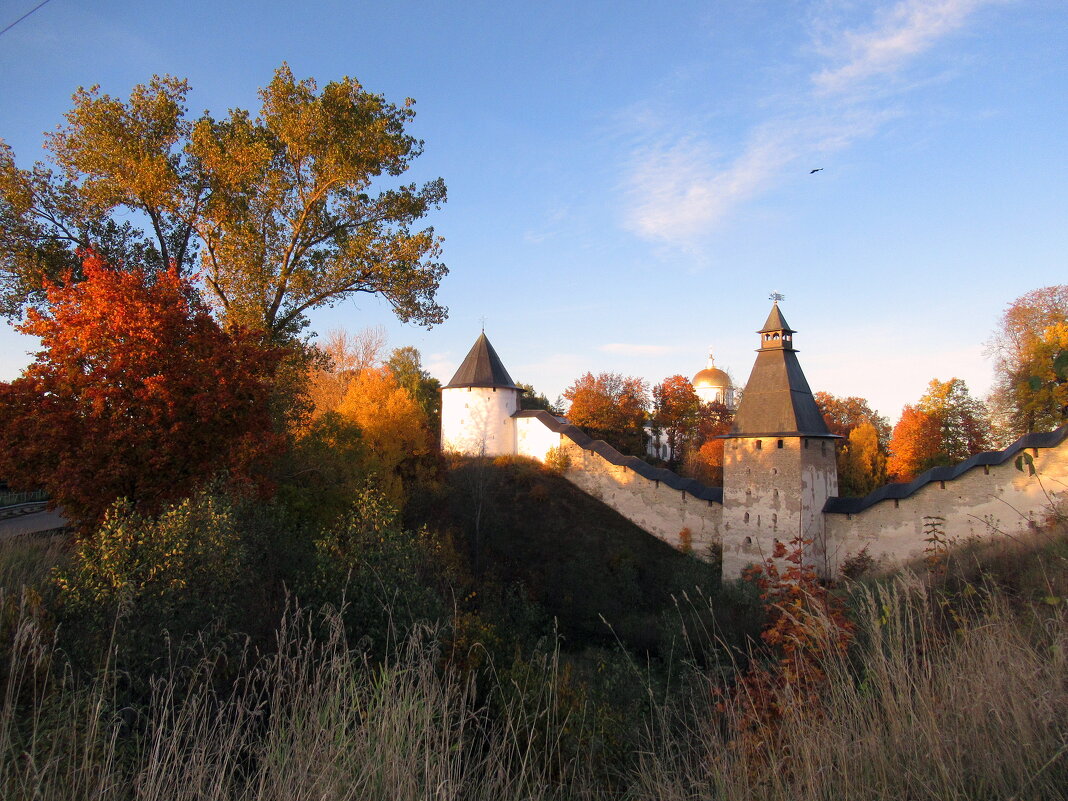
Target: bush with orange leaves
{"type": "Point", "coordinates": [136, 393]}
{"type": "Point", "coordinates": [806, 626]}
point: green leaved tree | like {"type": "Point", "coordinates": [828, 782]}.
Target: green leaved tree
{"type": "Point", "coordinates": [283, 211]}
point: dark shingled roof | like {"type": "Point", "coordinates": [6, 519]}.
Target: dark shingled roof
{"type": "Point", "coordinates": [776, 322]}
{"type": "Point", "coordinates": [482, 368]}
{"type": "Point", "coordinates": [611, 455]}
{"type": "Point", "coordinates": [777, 400]}
{"type": "Point", "coordinates": [897, 491]}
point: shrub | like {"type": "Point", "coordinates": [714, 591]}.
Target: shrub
{"type": "Point", "coordinates": [150, 577]}
{"type": "Point", "coordinates": [381, 575]}
{"type": "Point", "coordinates": [558, 459]}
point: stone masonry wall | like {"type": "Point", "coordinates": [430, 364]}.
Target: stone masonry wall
{"type": "Point", "coordinates": [989, 497]}
{"type": "Point", "coordinates": [774, 488]}
{"type": "Point", "coordinates": [658, 501]}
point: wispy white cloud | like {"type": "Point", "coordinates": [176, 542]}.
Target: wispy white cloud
{"type": "Point", "coordinates": [900, 33]}
{"type": "Point", "coordinates": [628, 349]}
{"type": "Point", "coordinates": [678, 187]}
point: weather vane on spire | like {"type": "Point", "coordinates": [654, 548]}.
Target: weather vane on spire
{"type": "Point", "coordinates": [776, 296]}
{"type": "Point", "coordinates": [483, 319]}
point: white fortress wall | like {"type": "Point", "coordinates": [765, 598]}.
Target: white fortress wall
{"type": "Point", "coordinates": [658, 501]}
{"type": "Point", "coordinates": [986, 496]}
{"type": "Point", "coordinates": [534, 438]}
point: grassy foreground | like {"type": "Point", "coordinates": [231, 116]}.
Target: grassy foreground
{"type": "Point", "coordinates": [954, 688]}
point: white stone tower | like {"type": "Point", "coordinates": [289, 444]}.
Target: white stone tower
{"type": "Point", "coordinates": [778, 460]}
{"type": "Point", "coordinates": [477, 405]}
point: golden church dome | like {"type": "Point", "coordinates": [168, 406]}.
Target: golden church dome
{"type": "Point", "coordinates": [711, 377]}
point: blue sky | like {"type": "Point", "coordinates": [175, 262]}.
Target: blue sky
{"type": "Point", "coordinates": [628, 181]}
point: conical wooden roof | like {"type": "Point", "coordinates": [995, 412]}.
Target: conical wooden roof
{"type": "Point", "coordinates": [482, 368]}
{"type": "Point", "coordinates": [777, 400]}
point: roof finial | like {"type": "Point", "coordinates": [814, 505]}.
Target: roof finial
{"type": "Point", "coordinates": [776, 296]}
{"type": "Point", "coordinates": [483, 319]}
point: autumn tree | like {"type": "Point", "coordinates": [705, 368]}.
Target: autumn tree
{"type": "Point", "coordinates": [282, 211]}
{"type": "Point", "coordinates": [862, 452]}
{"type": "Point", "coordinates": [393, 431]}
{"type": "Point", "coordinates": [677, 414]}
{"type": "Point", "coordinates": [842, 415]}
{"type": "Point", "coordinates": [611, 407]}
{"type": "Point", "coordinates": [136, 393]}
{"type": "Point", "coordinates": [946, 426]}
{"type": "Point", "coordinates": [339, 357]}
{"type": "Point", "coordinates": [406, 363]}
{"type": "Point", "coordinates": [861, 461]}
{"type": "Point", "coordinates": [914, 446]}
{"type": "Point", "coordinates": [1028, 335]}
{"type": "Point", "coordinates": [1042, 397]}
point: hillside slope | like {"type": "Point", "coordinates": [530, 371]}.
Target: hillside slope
{"type": "Point", "coordinates": [580, 560]}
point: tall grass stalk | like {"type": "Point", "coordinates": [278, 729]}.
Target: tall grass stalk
{"type": "Point", "coordinates": [312, 721]}
{"type": "Point", "coordinates": [917, 712]}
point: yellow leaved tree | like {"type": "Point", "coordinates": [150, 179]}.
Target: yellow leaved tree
{"type": "Point", "coordinates": [393, 429]}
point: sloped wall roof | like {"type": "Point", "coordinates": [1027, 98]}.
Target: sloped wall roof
{"type": "Point", "coordinates": [897, 491]}
{"type": "Point", "coordinates": [611, 455]}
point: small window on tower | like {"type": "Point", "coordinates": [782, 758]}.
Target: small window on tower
{"type": "Point", "coordinates": [778, 444]}
{"type": "Point", "coordinates": [747, 517]}
{"type": "Point", "coordinates": [760, 444]}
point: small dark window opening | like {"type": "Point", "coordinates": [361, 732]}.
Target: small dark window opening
{"type": "Point", "coordinates": [760, 444]}
{"type": "Point", "coordinates": [941, 484]}
{"type": "Point", "coordinates": [1034, 452]}
{"type": "Point", "coordinates": [806, 444]}
{"type": "Point", "coordinates": [778, 444]}
{"type": "Point", "coordinates": [748, 540]}
{"type": "Point", "coordinates": [896, 503]}
{"type": "Point", "coordinates": [774, 521]}
{"type": "Point", "coordinates": [747, 517]}
{"type": "Point", "coordinates": [986, 470]}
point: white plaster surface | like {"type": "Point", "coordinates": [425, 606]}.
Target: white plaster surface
{"type": "Point", "coordinates": [478, 420]}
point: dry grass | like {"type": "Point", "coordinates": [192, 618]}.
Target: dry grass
{"type": "Point", "coordinates": [979, 711]}
{"type": "Point", "coordinates": [928, 706]}
{"type": "Point", "coordinates": [312, 721]}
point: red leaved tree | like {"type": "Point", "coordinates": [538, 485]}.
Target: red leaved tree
{"type": "Point", "coordinates": [136, 393]}
{"type": "Point", "coordinates": [677, 412]}
{"type": "Point", "coordinates": [806, 629]}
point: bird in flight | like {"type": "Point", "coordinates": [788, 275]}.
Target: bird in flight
{"type": "Point", "coordinates": [818, 169]}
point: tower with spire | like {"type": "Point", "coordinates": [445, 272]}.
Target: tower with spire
{"type": "Point", "coordinates": [778, 459]}
{"type": "Point", "coordinates": [478, 403]}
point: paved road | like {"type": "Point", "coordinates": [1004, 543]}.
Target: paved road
{"type": "Point", "coordinates": [39, 521]}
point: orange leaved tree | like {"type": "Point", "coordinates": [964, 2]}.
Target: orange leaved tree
{"type": "Point", "coordinates": [136, 393]}
{"type": "Point", "coordinates": [915, 445]}
{"type": "Point", "coordinates": [611, 407]}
